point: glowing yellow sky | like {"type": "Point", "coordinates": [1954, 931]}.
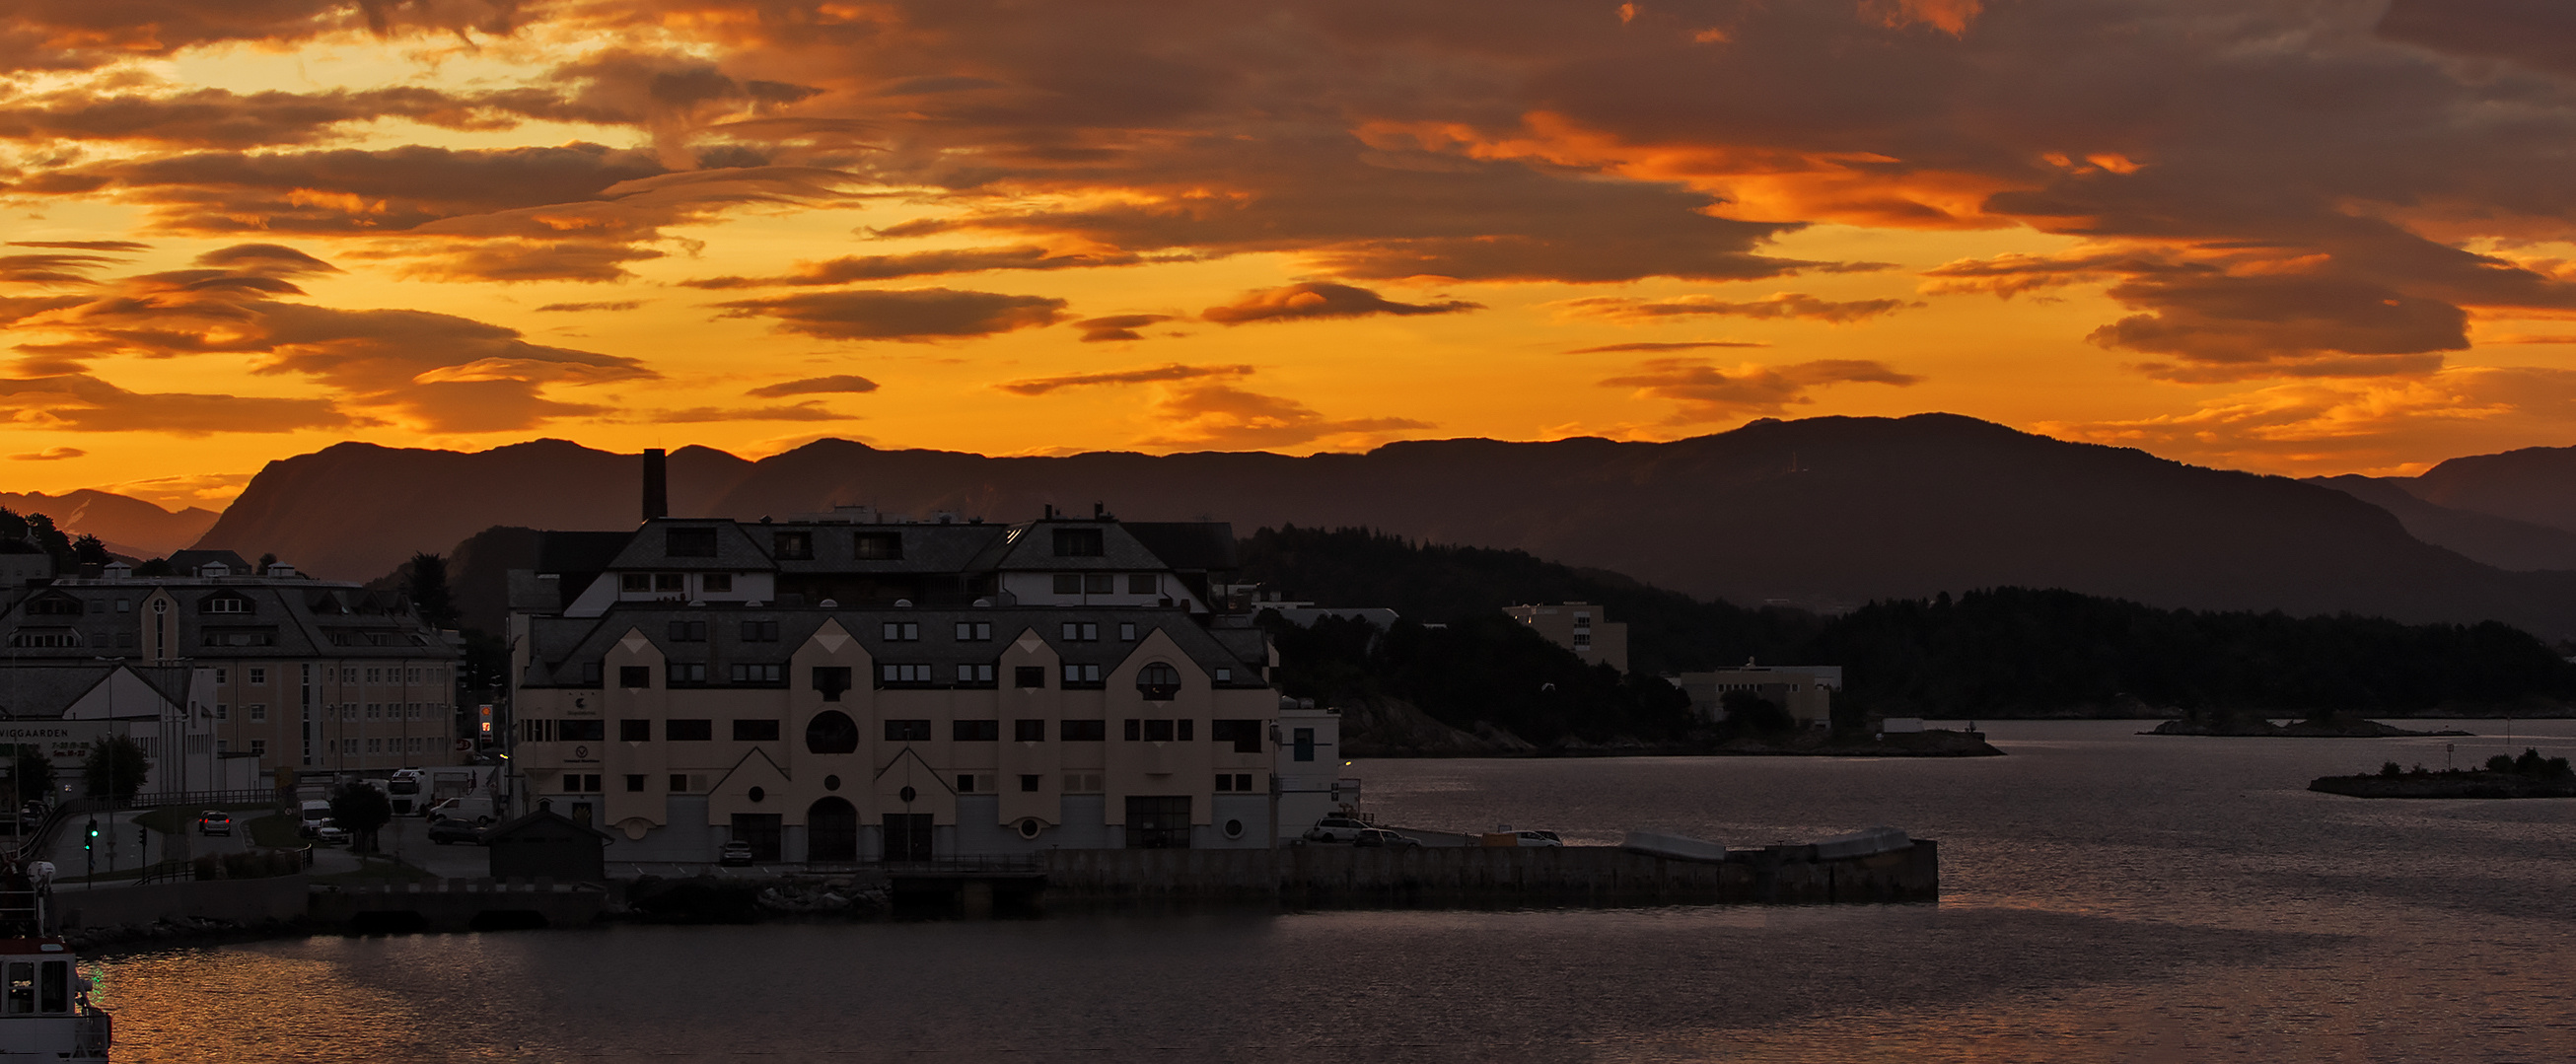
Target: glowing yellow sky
{"type": "Point", "coordinates": [1330, 225]}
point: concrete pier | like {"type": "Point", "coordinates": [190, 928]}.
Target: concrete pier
{"type": "Point", "coordinates": [1549, 875]}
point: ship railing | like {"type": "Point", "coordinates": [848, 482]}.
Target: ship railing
{"type": "Point", "coordinates": [92, 1030]}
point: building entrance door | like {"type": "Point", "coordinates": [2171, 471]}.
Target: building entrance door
{"type": "Point", "coordinates": [832, 830]}
{"type": "Point", "coordinates": [1158, 823]}
{"type": "Point", "coordinates": [762, 831]}
{"type": "Point", "coordinates": [907, 837]}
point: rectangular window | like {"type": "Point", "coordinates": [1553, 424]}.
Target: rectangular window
{"type": "Point", "coordinates": [1028, 676]}
{"type": "Point", "coordinates": [221, 673]}
{"type": "Point", "coordinates": [1582, 640]}
{"type": "Point", "coordinates": [688, 631]}
{"type": "Point", "coordinates": [1028, 731]}
{"type": "Point", "coordinates": [1081, 633]}
{"type": "Point", "coordinates": [1127, 633]}
{"type": "Point", "coordinates": [965, 783]}
{"type": "Point", "coordinates": [689, 731]}
{"type": "Point", "coordinates": [831, 680]}
{"type": "Point", "coordinates": [756, 730]}
{"type": "Point", "coordinates": [1082, 731]}
{"type": "Point", "coordinates": [685, 671]}
{"type": "Point", "coordinates": [670, 581]}
{"type": "Point", "coordinates": [1185, 730]}
{"type": "Point", "coordinates": [258, 675]}
{"type": "Point", "coordinates": [978, 675]}
{"type": "Point", "coordinates": [258, 747]}
{"type": "Point", "coordinates": [1244, 734]}
{"type": "Point", "coordinates": [1068, 583]}
{"type": "Point", "coordinates": [1029, 784]}
{"type": "Point", "coordinates": [221, 710]}
{"type": "Point", "coordinates": [902, 632]}
{"type": "Point", "coordinates": [974, 631]}
{"type": "Point", "coordinates": [634, 783]}
{"type": "Point", "coordinates": [1156, 731]}
{"type": "Point", "coordinates": [759, 631]}
{"type": "Point", "coordinates": [1079, 543]}
{"type": "Point", "coordinates": [636, 676]}
{"type": "Point", "coordinates": [1144, 583]}
{"type": "Point", "coordinates": [259, 711]}
{"type": "Point", "coordinates": [1099, 583]}
{"type": "Point", "coordinates": [903, 675]}
{"type": "Point", "coordinates": [759, 672]}
{"type": "Point", "coordinates": [634, 731]}
{"type": "Point", "coordinates": [375, 675]}
{"type": "Point", "coordinates": [1304, 741]}
{"type": "Point", "coordinates": [1082, 783]}
{"type": "Point", "coordinates": [1224, 782]}
{"type": "Point", "coordinates": [907, 731]}
{"type": "Point", "coordinates": [1224, 675]}
{"type": "Point", "coordinates": [584, 731]}
{"type": "Point", "coordinates": [689, 542]}
{"type": "Point", "coordinates": [793, 546]}
{"type": "Point", "coordinates": [719, 583]}
{"type": "Point", "coordinates": [877, 546]}
{"type": "Point", "coordinates": [640, 583]}
{"type": "Point", "coordinates": [1082, 677]}
{"type": "Point", "coordinates": [975, 731]}
{"type": "Point", "coordinates": [679, 783]}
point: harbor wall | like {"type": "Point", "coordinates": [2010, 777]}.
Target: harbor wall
{"type": "Point", "coordinates": [1330, 875]}
{"type": "Point", "coordinates": [245, 901]}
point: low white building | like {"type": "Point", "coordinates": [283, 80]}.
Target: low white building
{"type": "Point", "coordinates": [63, 709]}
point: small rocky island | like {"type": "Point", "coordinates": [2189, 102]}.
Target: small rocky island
{"type": "Point", "coordinates": [2314, 726]}
{"type": "Point", "coordinates": [2528, 776]}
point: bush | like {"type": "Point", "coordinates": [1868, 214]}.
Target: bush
{"type": "Point", "coordinates": [114, 768]}
{"type": "Point", "coordinates": [2390, 770]}
{"type": "Point", "coordinates": [2500, 763]}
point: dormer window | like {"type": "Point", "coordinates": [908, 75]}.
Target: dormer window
{"type": "Point", "coordinates": [54, 607]}
{"type": "Point", "coordinates": [877, 546]}
{"type": "Point", "coordinates": [793, 546]}
{"type": "Point", "coordinates": [224, 604]}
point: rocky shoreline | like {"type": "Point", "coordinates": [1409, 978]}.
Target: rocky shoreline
{"type": "Point", "coordinates": [2461, 784]}
{"type": "Point", "coordinates": [2260, 728]}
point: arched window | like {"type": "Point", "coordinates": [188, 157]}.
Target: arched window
{"type": "Point", "coordinates": [1158, 682]}
{"type": "Point", "coordinates": [832, 732]}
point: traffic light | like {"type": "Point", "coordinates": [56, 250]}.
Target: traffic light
{"type": "Point", "coordinates": [90, 841]}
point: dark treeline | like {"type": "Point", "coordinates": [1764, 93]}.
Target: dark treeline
{"type": "Point", "coordinates": [38, 531]}
{"type": "Point", "coordinates": [1994, 653]}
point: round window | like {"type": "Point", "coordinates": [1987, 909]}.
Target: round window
{"type": "Point", "coordinates": [831, 783]}
{"type": "Point", "coordinates": [1234, 829]}
{"type": "Point", "coordinates": [1029, 828]}
{"type": "Point", "coordinates": [757, 794]}
{"type": "Point", "coordinates": [907, 794]}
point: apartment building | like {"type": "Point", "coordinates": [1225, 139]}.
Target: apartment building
{"type": "Point", "coordinates": [856, 689]}
{"type": "Point", "coordinates": [1581, 627]}
{"type": "Point", "coordinates": [306, 674]}
{"type": "Point", "coordinates": [1805, 691]}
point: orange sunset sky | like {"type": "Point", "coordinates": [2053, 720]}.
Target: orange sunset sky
{"type": "Point", "coordinates": [2296, 236]}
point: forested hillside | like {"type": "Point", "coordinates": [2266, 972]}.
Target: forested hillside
{"type": "Point", "coordinates": [2000, 652]}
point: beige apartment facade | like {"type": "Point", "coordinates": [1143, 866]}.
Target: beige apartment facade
{"type": "Point", "coordinates": [309, 675]}
{"type": "Point", "coordinates": [1581, 627]}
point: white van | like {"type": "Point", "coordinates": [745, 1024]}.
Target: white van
{"type": "Point", "coordinates": [472, 809]}
{"type": "Point", "coordinates": [311, 815]}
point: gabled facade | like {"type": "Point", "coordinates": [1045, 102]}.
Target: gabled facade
{"type": "Point", "coordinates": [846, 691]}
{"type": "Point", "coordinates": [306, 674]}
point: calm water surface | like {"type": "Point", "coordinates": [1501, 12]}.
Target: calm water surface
{"type": "Point", "coordinates": [2109, 897]}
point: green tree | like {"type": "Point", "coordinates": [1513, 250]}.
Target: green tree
{"type": "Point", "coordinates": [363, 810]}
{"type": "Point", "coordinates": [155, 567]}
{"type": "Point", "coordinates": [90, 550]}
{"type": "Point", "coordinates": [34, 773]}
{"type": "Point", "coordinates": [114, 768]}
{"type": "Point", "coordinates": [427, 585]}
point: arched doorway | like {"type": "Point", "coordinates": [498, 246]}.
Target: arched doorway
{"type": "Point", "coordinates": [832, 830]}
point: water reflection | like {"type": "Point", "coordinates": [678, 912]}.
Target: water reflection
{"type": "Point", "coordinates": [2111, 897]}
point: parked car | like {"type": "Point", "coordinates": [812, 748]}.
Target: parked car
{"type": "Point", "coordinates": [1383, 837]}
{"type": "Point", "coordinates": [444, 832]}
{"type": "Point", "coordinates": [214, 822]}
{"type": "Point", "coordinates": [329, 834]}
{"type": "Point", "coordinates": [1539, 838]}
{"type": "Point", "coordinates": [736, 854]}
{"type": "Point", "coordinates": [1336, 829]}
{"type": "Point", "coordinates": [310, 816]}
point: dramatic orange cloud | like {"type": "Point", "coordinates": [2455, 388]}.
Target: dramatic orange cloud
{"type": "Point", "coordinates": [2285, 235]}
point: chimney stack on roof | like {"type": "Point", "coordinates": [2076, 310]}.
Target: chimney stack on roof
{"type": "Point", "coordinates": [657, 491]}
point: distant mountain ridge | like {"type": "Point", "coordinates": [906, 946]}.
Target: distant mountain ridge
{"type": "Point", "coordinates": [128, 525]}
{"type": "Point", "coordinates": [1831, 510]}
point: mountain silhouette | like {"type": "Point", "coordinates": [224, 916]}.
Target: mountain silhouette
{"type": "Point", "coordinates": [1823, 512]}
{"type": "Point", "coordinates": [128, 525]}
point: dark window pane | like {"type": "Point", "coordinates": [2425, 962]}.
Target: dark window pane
{"type": "Point", "coordinates": [1028, 676]}
{"type": "Point", "coordinates": [878, 546]}
{"type": "Point", "coordinates": [584, 731]}
{"type": "Point", "coordinates": [975, 731]}
{"type": "Point", "coordinates": [1028, 731]}
{"type": "Point", "coordinates": [831, 680]}
{"type": "Point", "coordinates": [634, 731]}
{"type": "Point", "coordinates": [1082, 731]}
{"type": "Point", "coordinates": [691, 542]}
{"type": "Point", "coordinates": [832, 732]}
{"type": "Point", "coordinates": [689, 731]}
{"type": "Point", "coordinates": [755, 731]}
{"type": "Point", "coordinates": [1078, 543]}
{"type": "Point", "coordinates": [634, 676]}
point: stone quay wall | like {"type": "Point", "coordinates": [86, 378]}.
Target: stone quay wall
{"type": "Point", "coordinates": [1339, 875]}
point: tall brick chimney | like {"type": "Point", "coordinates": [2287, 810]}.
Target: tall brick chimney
{"type": "Point", "coordinates": [657, 489]}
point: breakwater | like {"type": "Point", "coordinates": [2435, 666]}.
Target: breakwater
{"type": "Point", "coordinates": [1475, 875]}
